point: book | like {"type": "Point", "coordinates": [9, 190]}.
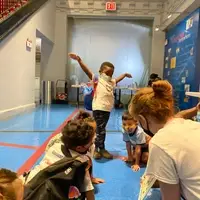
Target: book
{"type": "Point", "coordinates": [145, 186]}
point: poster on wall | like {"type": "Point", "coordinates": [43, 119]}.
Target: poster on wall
{"type": "Point", "coordinates": [173, 63]}
{"type": "Point", "coordinates": [181, 57]}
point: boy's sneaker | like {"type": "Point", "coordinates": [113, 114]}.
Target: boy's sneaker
{"type": "Point", "coordinates": [104, 153]}
{"type": "Point", "coordinates": [97, 155]}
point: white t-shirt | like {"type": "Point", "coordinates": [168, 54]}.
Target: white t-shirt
{"type": "Point", "coordinates": [103, 97]}
{"type": "Point", "coordinates": [53, 155]}
{"type": "Point", "coordinates": [55, 139]}
{"type": "Point", "coordinates": [174, 156]}
{"type": "Point", "coordinates": [138, 137]}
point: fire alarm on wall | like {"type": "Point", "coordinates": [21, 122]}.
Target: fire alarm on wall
{"type": "Point", "coordinates": [111, 6]}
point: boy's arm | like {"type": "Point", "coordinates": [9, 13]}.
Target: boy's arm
{"type": "Point", "coordinates": [147, 138]}
{"type": "Point", "coordinates": [87, 186]}
{"type": "Point", "coordinates": [121, 77]}
{"type": "Point", "coordinates": [187, 114]}
{"type": "Point", "coordinates": [138, 152]}
{"type": "Point", "coordinates": [82, 65]}
{"type": "Point", "coordinates": [170, 191]}
{"type": "Point", "coordinates": [85, 69]}
{"type": "Point", "coordinates": [129, 151]}
{"type": "Point", "coordinates": [128, 147]}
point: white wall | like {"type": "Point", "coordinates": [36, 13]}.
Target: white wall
{"type": "Point", "coordinates": [17, 71]}
{"type": "Point", "coordinates": [126, 9]}
{"type": "Point", "coordinates": [127, 44]}
{"type": "Point", "coordinates": [158, 47]}
{"type": "Point", "coordinates": [55, 67]}
{"type": "Point", "coordinates": [124, 43]}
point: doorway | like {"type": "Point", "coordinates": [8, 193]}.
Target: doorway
{"type": "Point", "coordinates": [37, 70]}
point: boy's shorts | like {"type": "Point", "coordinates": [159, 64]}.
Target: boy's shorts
{"type": "Point", "coordinates": [145, 149]}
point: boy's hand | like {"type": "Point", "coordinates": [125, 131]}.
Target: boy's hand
{"type": "Point", "coordinates": [74, 56]}
{"type": "Point", "coordinates": [97, 180]}
{"type": "Point", "coordinates": [128, 75]}
{"type": "Point", "coordinates": [135, 168]}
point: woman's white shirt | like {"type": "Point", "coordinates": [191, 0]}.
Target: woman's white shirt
{"type": "Point", "coordinates": [174, 156]}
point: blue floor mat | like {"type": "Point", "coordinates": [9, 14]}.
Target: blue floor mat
{"type": "Point", "coordinates": [29, 129]}
{"type": "Point", "coordinates": [121, 183]}
{"type": "Point", "coordinates": [42, 118]}
{"type": "Point", "coordinates": [25, 138]}
{"type": "Point", "coordinates": [12, 158]}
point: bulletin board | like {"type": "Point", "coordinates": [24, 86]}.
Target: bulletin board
{"type": "Point", "coordinates": [181, 59]}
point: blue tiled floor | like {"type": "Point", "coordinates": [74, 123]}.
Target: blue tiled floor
{"type": "Point", "coordinates": [25, 138]}
{"type": "Point", "coordinates": [114, 123]}
{"type": "Point", "coordinates": [121, 183]}
{"type": "Point", "coordinates": [13, 158]}
{"type": "Point", "coordinates": [43, 118]}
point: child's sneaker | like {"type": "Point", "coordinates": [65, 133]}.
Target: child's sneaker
{"type": "Point", "coordinates": [97, 155]}
{"type": "Point", "coordinates": [104, 153]}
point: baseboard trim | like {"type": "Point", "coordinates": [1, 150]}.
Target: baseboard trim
{"type": "Point", "coordinates": [8, 113]}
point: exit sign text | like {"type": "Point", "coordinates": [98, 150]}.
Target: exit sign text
{"type": "Point", "coordinates": [111, 6]}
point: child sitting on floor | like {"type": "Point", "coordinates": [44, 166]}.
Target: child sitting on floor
{"type": "Point", "coordinates": [76, 139]}
{"type": "Point", "coordinates": [135, 137]}
{"type": "Point", "coordinates": [57, 138]}
{"type": "Point", "coordinates": [83, 116]}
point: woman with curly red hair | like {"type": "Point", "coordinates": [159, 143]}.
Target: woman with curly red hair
{"type": "Point", "coordinates": [174, 148]}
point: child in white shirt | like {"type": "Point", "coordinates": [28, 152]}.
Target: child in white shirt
{"type": "Point", "coordinates": [85, 116]}
{"type": "Point", "coordinates": [103, 101]}
{"type": "Point", "coordinates": [77, 138]}
{"type": "Point", "coordinates": [135, 137]}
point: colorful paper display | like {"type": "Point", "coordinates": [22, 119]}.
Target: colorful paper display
{"type": "Point", "coordinates": [182, 60]}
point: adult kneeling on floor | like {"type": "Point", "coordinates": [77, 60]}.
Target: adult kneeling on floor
{"type": "Point", "coordinates": [174, 149]}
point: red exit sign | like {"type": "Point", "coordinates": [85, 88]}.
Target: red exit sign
{"type": "Point", "coordinates": [111, 6]}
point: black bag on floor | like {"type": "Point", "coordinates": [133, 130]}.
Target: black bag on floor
{"type": "Point", "coordinates": [55, 181]}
